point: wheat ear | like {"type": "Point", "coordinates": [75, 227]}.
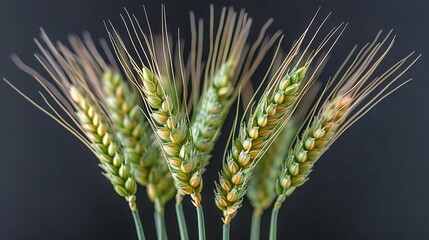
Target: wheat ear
{"type": "Point", "coordinates": [266, 121]}
{"type": "Point", "coordinates": [229, 67]}
{"type": "Point", "coordinates": [141, 147]}
{"type": "Point", "coordinates": [167, 114]}
{"type": "Point", "coordinates": [173, 132]}
{"type": "Point", "coordinates": [346, 103]}
{"type": "Point", "coordinates": [252, 138]}
{"type": "Point", "coordinates": [135, 133]}
{"type": "Point", "coordinates": [167, 110]}
{"type": "Point", "coordinates": [107, 148]}
{"type": "Point", "coordinates": [76, 97]}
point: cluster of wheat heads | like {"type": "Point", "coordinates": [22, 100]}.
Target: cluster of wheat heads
{"type": "Point", "coordinates": [152, 114]}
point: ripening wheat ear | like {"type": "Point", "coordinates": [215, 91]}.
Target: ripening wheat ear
{"type": "Point", "coordinates": [167, 113]}
{"type": "Point", "coordinates": [74, 96]}
{"type": "Point", "coordinates": [140, 145]}
{"type": "Point", "coordinates": [348, 100]}
{"type": "Point", "coordinates": [137, 139]}
{"type": "Point", "coordinates": [229, 67]}
{"type": "Point", "coordinates": [79, 96]}
{"type": "Point", "coordinates": [267, 119]}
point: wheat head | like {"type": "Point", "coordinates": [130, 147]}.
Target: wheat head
{"type": "Point", "coordinates": [348, 100]}
{"type": "Point", "coordinates": [78, 99]}
{"type": "Point", "coordinates": [230, 65]}
{"type": "Point", "coordinates": [271, 113]}
{"type": "Point", "coordinates": [106, 146]}
{"type": "Point", "coordinates": [135, 133]}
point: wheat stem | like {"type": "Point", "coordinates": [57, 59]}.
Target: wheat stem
{"type": "Point", "coordinates": [273, 223]}
{"type": "Point", "coordinates": [160, 225]}
{"type": "Point", "coordinates": [138, 224]}
{"type": "Point", "coordinates": [181, 221]}
{"type": "Point", "coordinates": [163, 227]}
{"type": "Point", "coordinates": [201, 225]}
{"type": "Point", "coordinates": [256, 224]}
{"type": "Point", "coordinates": [225, 231]}
{"type": "Point", "coordinates": [155, 218]}
{"type": "Point", "coordinates": [159, 219]}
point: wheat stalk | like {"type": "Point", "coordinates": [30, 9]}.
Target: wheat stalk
{"type": "Point", "coordinates": [345, 104]}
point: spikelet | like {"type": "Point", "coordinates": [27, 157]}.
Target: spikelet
{"type": "Point", "coordinates": [345, 104]}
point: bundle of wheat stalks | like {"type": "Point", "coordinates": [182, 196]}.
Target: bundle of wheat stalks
{"type": "Point", "coordinates": [152, 113]}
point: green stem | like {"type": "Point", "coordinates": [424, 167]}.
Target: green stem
{"type": "Point", "coordinates": [256, 224]}
{"type": "Point", "coordinates": [163, 228]}
{"type": "Point", "coordinates": [225, 232]}
{"type": "Point", "coordinates": [181, 219]}
{"type": "Point", "coordinates": [160, 226]}
{"type": "Point", "coordinates": [138, 223]}
{"type": "Point", "coordinates": [159, 220]}
{"type": "Point", "coordinates": [274, 216]}
{"type": "Point", "coordinates": [273, 224]}
{"type": "Point", "coordinates": [201, 225]}
{"type": "Point", "coordinates": [155, 217]}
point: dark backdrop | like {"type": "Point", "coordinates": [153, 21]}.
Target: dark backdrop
{"type": "Point", "coordinates": [372, 184]}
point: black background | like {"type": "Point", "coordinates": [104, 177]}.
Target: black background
{"type": "Point", "coordinates": [372, 184]}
